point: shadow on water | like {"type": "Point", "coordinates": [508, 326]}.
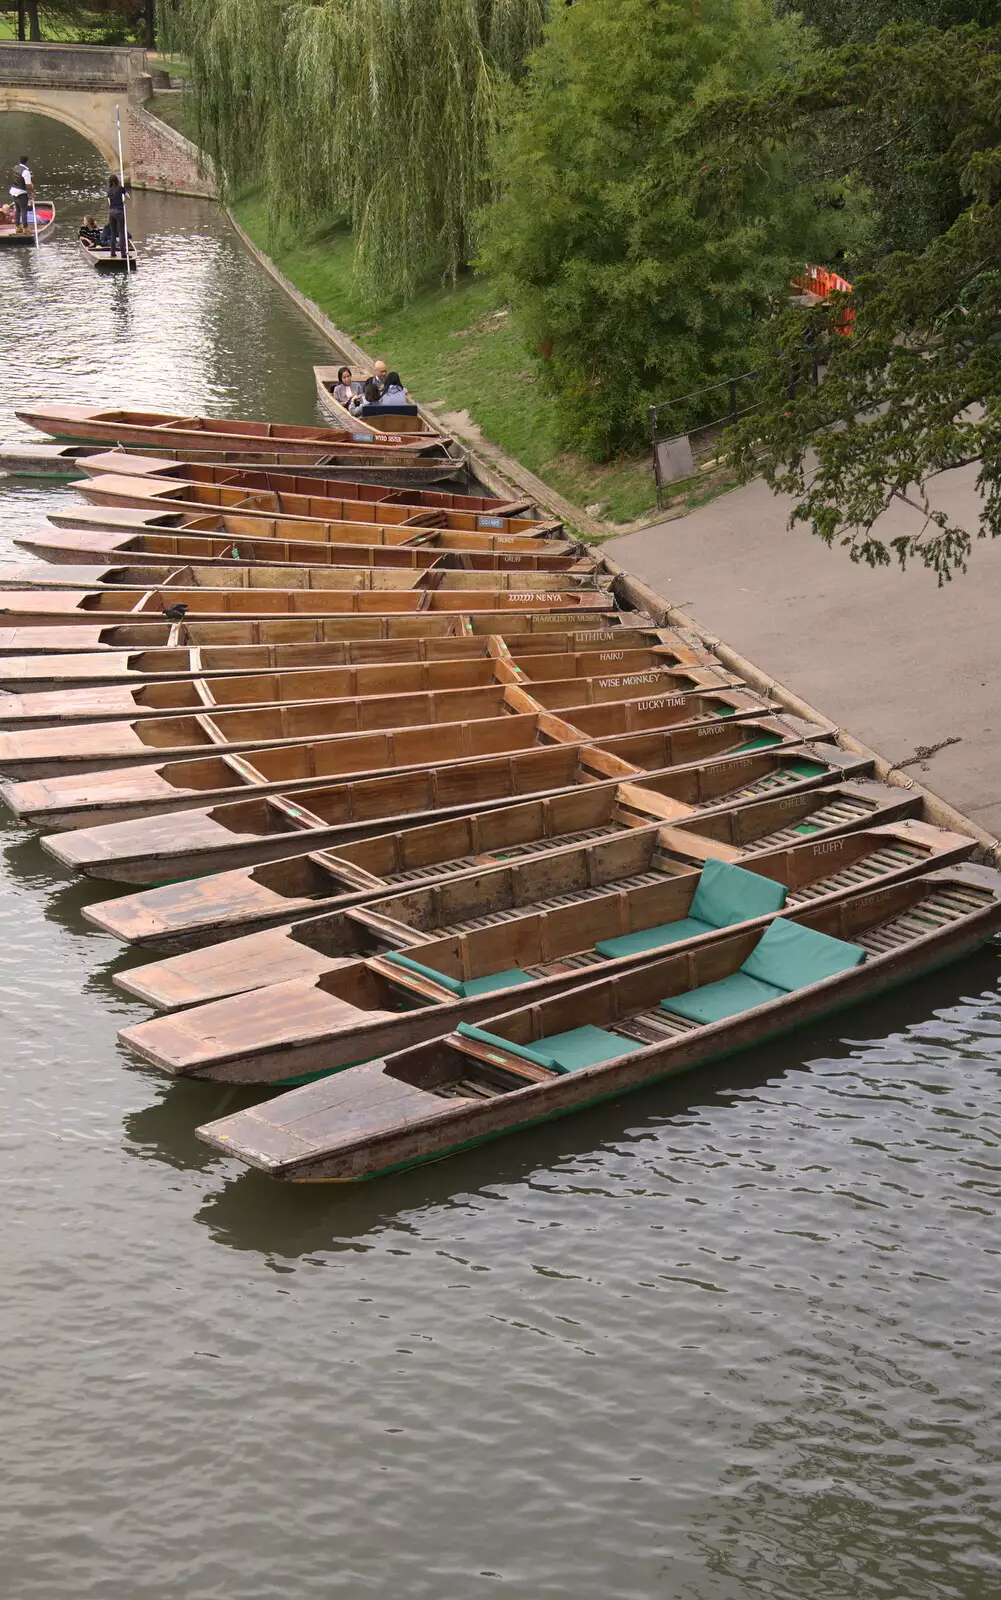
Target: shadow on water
{"type": "Point", "coordinates": [252, 1212]}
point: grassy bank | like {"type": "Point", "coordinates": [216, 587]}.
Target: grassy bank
{"type": "Point", "coordinates": [460, 348]}
{"type": "Point", "coordinates": [174, 108]}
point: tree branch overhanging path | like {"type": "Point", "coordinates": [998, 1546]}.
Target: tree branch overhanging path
{"type": "Point", "coordinates": [914, 390]}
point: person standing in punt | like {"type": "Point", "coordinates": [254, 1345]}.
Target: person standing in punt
{"type": "Point", "coordinates": [116, 214]}
{"type": "Point", "coordinates": [21, 190]}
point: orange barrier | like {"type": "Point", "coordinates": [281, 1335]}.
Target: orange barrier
{"type": "Point", "coordinates": [818, 281]}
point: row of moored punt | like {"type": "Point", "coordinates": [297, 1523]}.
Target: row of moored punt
{"type": "Point", "coordinates": [419, 822]}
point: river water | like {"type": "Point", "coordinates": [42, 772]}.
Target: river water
{"type": "Point", "coordinates": [731, 1339]}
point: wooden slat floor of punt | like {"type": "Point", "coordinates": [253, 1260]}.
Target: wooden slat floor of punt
{"type": "Point", "coordinates": [530, 848]}
{"type": "Point", "coordinates": [491, 919]}
{"type": "Point", "coordinates": [889, 858]}
{"type": "Point", "coordinates": [837, 813]}
{"type": "Point", "coordinates": [764, 785]}
{"type": "Point", "coordinates": [932, 914]}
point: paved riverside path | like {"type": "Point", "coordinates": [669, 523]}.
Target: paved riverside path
{"type": "Point", "coordinates": [887, 655]}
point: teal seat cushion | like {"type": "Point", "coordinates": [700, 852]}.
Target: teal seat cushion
{"type": "Point", "coordinates": [632, 944]}
{"type": "Point", "coordinates": [727, 998]}
{"type": "Point", "coordinates": [470, 987]}
{"type": "Point", "coordinates": [536, 1052]}
{"type": "Point", "coordinates": [791, 956]}
{"type": "Point", "coordinates": [561, 1052]}
{"type": "Point", "coordinates": [409, 965]}
{"type": "Point", "coordinates": [728, 894]}
{"type": "Point", "coordinates": [585, 1047]}
{"type": "Point", "coordinates": [764, 741]}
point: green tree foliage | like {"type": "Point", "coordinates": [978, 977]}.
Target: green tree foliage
{"type": "Point", "coordinates": [637, 286]}
{"type": "Point", "coordinates": [379, 111]}
{"type": "Point", "coordinates": [916, 389]}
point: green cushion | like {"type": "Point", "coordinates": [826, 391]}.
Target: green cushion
{"type": "Point", "coordinates": [764, 743]}
{"type": "Point", "coordinates": [585, 1047]}
{"type": "Point", "coordinates": [727, 998]}
{"type": "Point", "coordinates": [792, 957]}
{"type": "Point", "coordinates": [728, 894]}
{"type": "Point", "coordinates": [807, 827]}
{"type": "Point", "coordinates": [494, 980]}
{"type": "Point", "coordinates": [632, 944]}
{"type": "Point", "coordinates": [807, 769]}
{"type": "Point", "coordinates": [451, 984]}
{"type": "Point", "coordinates": [534, 1053]}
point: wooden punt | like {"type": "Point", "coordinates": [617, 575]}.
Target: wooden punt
{"type": "Point", "coordinates": [296, 889]}
{"type": "Point", "coordinates": [35, 639]}
{"type": "Point", "coordinates": [357, 527]}
{"type": "Point", "coordinates": [264, 826]}
{"type": "Point", "coordinates": [429, 576]}
{"type": "Point", "coordinates": [91, 546]}
{"type": "Point", "coordinates": [11, 239]}
{"type": "Point", "coordinates": [434, 1099]}
{"type": "Point", "coordinates": [639, 670]}
{"type": "Point", "coordinates": [31, 674]}
{"type": "Point", "coordinates": [241, 729]}
{"type": "Point", "coordinates": [144, 494]}
{"type": "Point", "coordinates": [184, 775]}
{"type": "Point", "coordinates": [24, 608]}
{"type": "Point", "coordinates": [372, 1005]}
{"type": "Point", "coordinates": [153, 428]}
{"type": "Point", "coordinates": [631, 865]}
{"type": "Point", "coordinates": [27, 460]}
{"type": "Point", "coordinates": [410, 421]}
{"type": "Point", "coordinates": [104, 262]}
{"type": "Point", "coordinates": [281, 475]}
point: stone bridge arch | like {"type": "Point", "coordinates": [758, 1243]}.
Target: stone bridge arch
{"type": "Point", "coordinates": [90, 114]}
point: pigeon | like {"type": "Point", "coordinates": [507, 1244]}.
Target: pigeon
{"type": "Point", "coordinates": [175, 612]}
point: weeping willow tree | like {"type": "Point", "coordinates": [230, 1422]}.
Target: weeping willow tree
{"type": "Point", "coordinates": [379, 111]}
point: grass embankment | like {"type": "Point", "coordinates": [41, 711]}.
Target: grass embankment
{"type": "Point", "coordinates": [461, 349]}
{"type": "Point", "coordinates": [174, 108]}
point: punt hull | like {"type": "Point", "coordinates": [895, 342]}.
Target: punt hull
{"type": "Point", "coordinates": [287, 1032]}
{"type": "Point", "coordinates": [312, 947]}
{"type": "Point", "coordinates": [142, 633]}
{"type": "Point", "coordinates": [27, 608]}
{"type": "Point", "coordinates": [214, 839]}
{"type": "Point", "coordinates": [251, 900]}
{"type": "Point", "coordinates": [95, 546]}
{"type": "Point", "coordinates": [257, 692]}
{"type": "Point", "coordinates": [196, 433]}
{"type": "Point", "coordinates": [273, 473]}
{"type": "Point", "coordinates": [182, 778]}
{"type": "Point", "coordinates": [274, 1138]}
{"type": "Point", "coordinates": [28, 674]}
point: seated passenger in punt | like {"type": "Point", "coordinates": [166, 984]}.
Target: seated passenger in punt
{"type": "Point", "coordinates": [90, 233]}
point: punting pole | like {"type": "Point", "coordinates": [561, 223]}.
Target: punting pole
{"type": "Point", "coordinates": [34, 218]}
{"type": "Point", "coordinates": [121, 175]}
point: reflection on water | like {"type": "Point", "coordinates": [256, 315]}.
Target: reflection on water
{"type": "Point", "coordinates": [733, 1337]}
